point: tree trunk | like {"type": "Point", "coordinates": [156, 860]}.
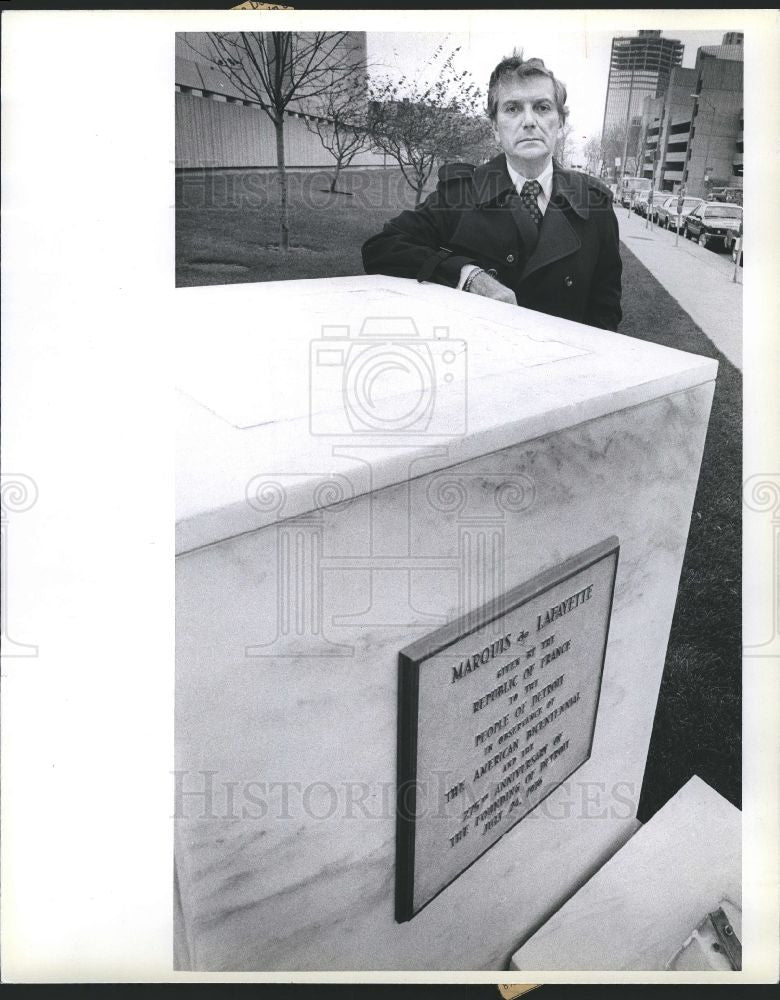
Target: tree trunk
{"type": "Point", "coordinates": [284, 212]}
{"type": "Point", "coordinates": [418, 193]}
{"type": "Point", "coordinates": [335, 177]}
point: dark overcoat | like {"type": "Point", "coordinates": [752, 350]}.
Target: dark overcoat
{"type": "Point", "coordinates": [572, 269]}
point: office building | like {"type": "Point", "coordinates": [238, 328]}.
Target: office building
{"type": "Point", "coordinates": [640, 67]}
{"type": "Point", "coordinates": [694, 134]}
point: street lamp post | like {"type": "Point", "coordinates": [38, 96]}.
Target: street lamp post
{"type": "Point", "coordinates": [697, 98]}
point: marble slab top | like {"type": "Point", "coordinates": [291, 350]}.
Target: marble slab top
{"type": "Point", "coordinates": [638, 909]}
{"type": "Point", "coordinates": [292, 395]}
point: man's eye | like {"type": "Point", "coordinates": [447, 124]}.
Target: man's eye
{"type": "Point", "coordinates": [544, 107]}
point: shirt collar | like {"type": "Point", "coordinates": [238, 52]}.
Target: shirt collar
{"type": "Point", "coordinates": [492, 182]}
{"type": "Point", "coordinates": [545, 178]}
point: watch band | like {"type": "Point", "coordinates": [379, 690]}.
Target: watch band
{"type": "Point", "coordinates": [471, 277]}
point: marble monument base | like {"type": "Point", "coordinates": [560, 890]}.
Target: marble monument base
{"type": "Point", "coordinates": [350, 486]}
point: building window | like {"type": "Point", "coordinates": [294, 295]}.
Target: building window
{"type": "Point", "coordinates": [676, 147]}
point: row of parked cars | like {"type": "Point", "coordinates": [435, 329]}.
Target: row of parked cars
{"type": "Point", "coordinates": [714, 224]}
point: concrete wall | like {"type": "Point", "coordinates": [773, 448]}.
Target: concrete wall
{"type": "Point", "coordinates": [212, 133]}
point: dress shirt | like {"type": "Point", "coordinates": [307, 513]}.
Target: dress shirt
{"type": "Point", "coordinates": [545, 179]}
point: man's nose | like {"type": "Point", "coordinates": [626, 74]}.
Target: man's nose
{"type": "Point", "coordinates": [527, 117]}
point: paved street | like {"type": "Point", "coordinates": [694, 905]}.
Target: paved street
{"type": "Point", "coordinates": [700, 280]}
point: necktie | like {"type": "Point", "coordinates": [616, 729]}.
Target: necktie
{"type": "Point", "coordinates": [529, 194]}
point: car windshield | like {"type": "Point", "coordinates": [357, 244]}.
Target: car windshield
{"type": "Point", "coordinates": [724, 211]}
{"type": "Point", "coordinates": [691, 203]}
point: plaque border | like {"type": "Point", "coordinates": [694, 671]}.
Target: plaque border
{"type": "Point", "coordinates": [410, 659]}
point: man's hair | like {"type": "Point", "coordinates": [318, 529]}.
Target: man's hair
{"type": "Point", "coordinates": [516, 66]}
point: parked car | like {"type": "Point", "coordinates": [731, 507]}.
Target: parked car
{"type": "Point", "coordinates": [667, 211]}
{"type": "Point", "coordinates": [662, 208]}
{"type": "Point", "coordinates": [642, 201]}
{"type": "Point", "coordinates": [711, 222]}
{"type": "Point", "coordinates": [730, 194]}
{"type": "Point", "coordinates": [659, 202]}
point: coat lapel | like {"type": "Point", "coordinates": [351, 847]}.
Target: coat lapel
{"type": "Point", "coordinates": [495, 191]}
{"type": "Point", "coordinates": [529, 234]}
{"type": "Point", "coordinates": [557, 239]}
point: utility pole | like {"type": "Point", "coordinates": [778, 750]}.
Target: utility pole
{"type": "Point", "coordinates": [649, 224]}
{"type": "Point", "coordinates": [628, 118]}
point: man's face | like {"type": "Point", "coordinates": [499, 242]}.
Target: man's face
{"type": "Point", "coordinates": [526, 125]}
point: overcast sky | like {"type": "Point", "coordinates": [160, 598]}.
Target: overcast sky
{"type": "Point", "coordinates": [580, 59]}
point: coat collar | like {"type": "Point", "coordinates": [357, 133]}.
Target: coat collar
{"type": "Point", "coordinates": [492, 180]}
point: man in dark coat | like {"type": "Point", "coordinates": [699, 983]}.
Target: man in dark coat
{"type": "Point", "coordinates": [519, 228]}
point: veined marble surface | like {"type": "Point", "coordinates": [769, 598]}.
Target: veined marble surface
{"type": "Point", "coordinates": [642, 905]}
{"type": "Point", "coordinates": [287, 649]}
{"type": "Point", "coordinates": [285, 380]}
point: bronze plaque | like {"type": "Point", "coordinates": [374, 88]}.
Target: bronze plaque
{"type": "Point", "coordinates": [496, 710]}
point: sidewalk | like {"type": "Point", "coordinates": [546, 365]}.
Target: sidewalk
{"type": "Point", "coordinates": [699, 279]}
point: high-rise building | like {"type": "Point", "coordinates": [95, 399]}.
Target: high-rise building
{"type": "Point", "coordinates": [640, 67]}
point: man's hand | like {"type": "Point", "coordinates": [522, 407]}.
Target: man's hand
{"type": "Point", "coordinates": [484, 284]}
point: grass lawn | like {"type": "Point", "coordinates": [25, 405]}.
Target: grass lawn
{"type": "Point", "coordinates": [227, 223]}
{"type": "Point", "coordinates": [698, 722]}
{"type": "Point", "coordinates": [226, 232]}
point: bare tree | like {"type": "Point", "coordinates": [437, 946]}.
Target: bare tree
{"type": "Point", "coordinates": [592, 151]}
{"type": "Point", "coordinates": [564, 145]}
{"type": "Point", "coordinates": [419, 124]}
{"type": "Point", "coordinates": [342, 124]}
{"type": "Point", "coordinates": [621, 142]}
{"type": "Point", "coordinates": [612, 142]}
{"type": "Point", "coordinates": [277, 69]}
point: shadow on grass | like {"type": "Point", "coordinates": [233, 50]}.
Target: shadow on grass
{"type": "Point", "coordinates": [697, 726]}
{"type": "Point", "coordinates": [227, 223]}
